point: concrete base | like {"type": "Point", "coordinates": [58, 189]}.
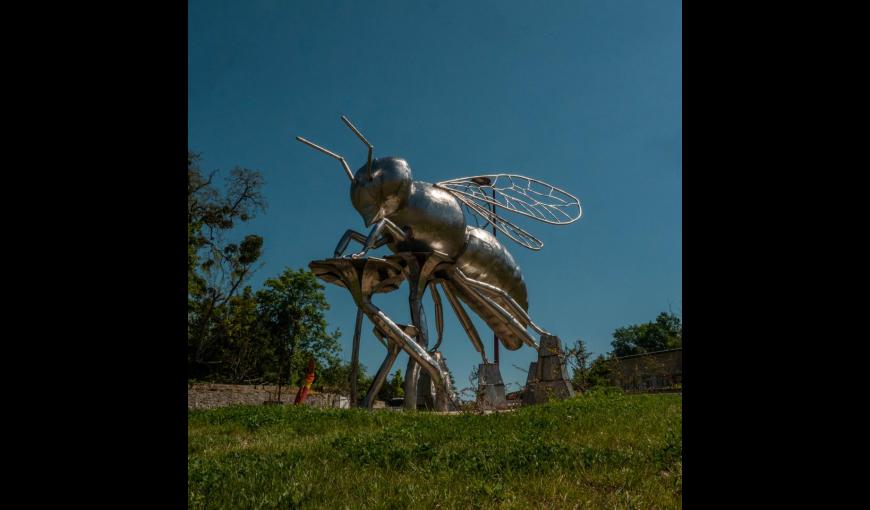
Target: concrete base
{"type": "Point", "coordinates": [548, 376]}
{"type": "Point", "coordinates": [490, 392]}
{"type": "Point", "coordinates": [427, 397]}
{"type": "Point", "coordinates": [425, 392]}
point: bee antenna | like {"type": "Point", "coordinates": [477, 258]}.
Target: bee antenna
{"type": "Point", "coordinates": [361, 137]}
{"type": "Point", "coordinates": [328, 153]}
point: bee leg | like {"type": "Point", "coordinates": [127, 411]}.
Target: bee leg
{"type": "Point", "coordinates": [412, 378]}
{"type": "Point", "coordinates": [354, 358]}
{"type": "Point", "coordinates": [472, 289]}
{"type": "Point", "coordinates": [382, 233]}
{"type": "Point", "coordinates": [393, 351]}
{"type": "Point", "coordinates": [464, 319]}
{"type": "Point", "coordinates": [439, 316]}
{"type": "Point", "coordinates": [415, 301]}
{"type": "Point", "coordinates": [506, 301]}
{"type": "Point", "coordinates": [443, 399]}
{"type": "Point", "coordinates": [394, 231]}
{"type": "Point", "coordinates": [345, 240]}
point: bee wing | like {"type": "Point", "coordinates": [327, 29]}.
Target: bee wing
{"type": "Point", "coordinates": [516, 233]}
{"type": "Point", "coordinates": [519, 194]}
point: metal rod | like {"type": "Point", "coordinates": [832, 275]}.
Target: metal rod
{"type": "Point", "coordinates": [508, 303]}
{"type": "Point", "coordinates": [361, 137]}
{"type": "Point", "coordinates": [354, 360]}
{"type": "Point", "coordinates": [328, 153]}
{"type": "Point", "coordinates": [415, 301]}
{"type": "Point", "coordinates": [464, 319]}
{"type": "Point", "coordinates": [381, 376]}
{"type": "Point", "coordinates": [439, 315]}
{"type": "Point", "coordinates": [494, 336]}
{"type": "Point", "coordinates": [355, 130]}
{"type": "Point", "coordinates": [414, 350]}
{"type": "Point", "coordinates": [493, 308]}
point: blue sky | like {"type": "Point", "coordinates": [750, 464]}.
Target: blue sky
{"type": "Point", "coordinates": [583, 95]}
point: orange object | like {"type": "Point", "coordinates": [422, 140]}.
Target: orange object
{"type": "Point", "coordinates": [309, 379]}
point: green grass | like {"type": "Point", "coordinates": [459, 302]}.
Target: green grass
{"type": "Point", "coordinates": [600, 450]}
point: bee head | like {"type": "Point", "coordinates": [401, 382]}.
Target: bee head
{"type": "Point", "coordinates": [383, 191]}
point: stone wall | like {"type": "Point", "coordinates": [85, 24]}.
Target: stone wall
{"type": "Point", "coordinates": [651, 371]}
{"type": "Point", "coordinates": [209, 396]}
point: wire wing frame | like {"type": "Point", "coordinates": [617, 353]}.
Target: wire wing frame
{"type": "Point", "coordinates": [519, 194]}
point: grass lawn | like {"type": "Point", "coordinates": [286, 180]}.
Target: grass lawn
{"type": "Point", "coordinates": [599, 450]}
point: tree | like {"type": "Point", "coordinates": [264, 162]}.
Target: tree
{"type": "Point", "coordinates": [472, 392]}
{"type": "Point", "coordinates": [578, 358]}
{"type": "Point", "coordinates": [398, 384]}
{"type": "Point", "coordinates": [394, 388]}
{"type": "Point", "coordinates": [600, 371]}
{"type": "Point", "coordinates": [666, 332]}
{"type": "Point", "coordinates": [216, 267]}
{"type": "Point", "coordinates": [292, 308]}
{"type": "Point", "coordinates": [210, 214]}
{"type": "Point", "coordinates": [245, 340]}
{"type": "Point", "coordinates": [451, 379]}
{"type": "Point", "coordinates": [336, 377]}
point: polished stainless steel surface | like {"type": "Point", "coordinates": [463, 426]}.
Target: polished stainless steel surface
{"type": "Point", "coordinates": [393, 350]}
{"type": "Point", "coordinates": [418, 269]}
{"type": "Point", "coordinates": [506, 301]}
{"type": "Point", "coordinates": [510, 331]}
{"type": "Point", "coordinates": [366, 276]}
{"type": "Point", "coordinates": [425, 225]}
{"type": "Point", "coordinates": [354, 357]}
{"type": "Point", "coordinates": [361, 137]}
{"type": "Point", "coordinates": [487, 260]}
{"type": "Point", "coordinates": [328, 153]}
{"type": "Point", "coordinates": [432, 220]}
{"type": "Point", "coordinates": [383, 192]}
{"type": "Point", "coordinates": [464, 319]}
{"type": "Point", "coordinates": [439, 314]}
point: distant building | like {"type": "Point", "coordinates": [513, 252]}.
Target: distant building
{"type": "Point", "coordinates": [651, 371]}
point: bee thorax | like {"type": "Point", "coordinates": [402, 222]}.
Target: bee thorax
{"type": "Point", "coordinates": [434, 219]}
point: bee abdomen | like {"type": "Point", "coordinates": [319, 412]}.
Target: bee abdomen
{"type": "Point", "coordinates": [486, 259]}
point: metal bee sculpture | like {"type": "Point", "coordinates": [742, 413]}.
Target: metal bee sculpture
{"type": "Point", "coordinates": [425, 226]}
